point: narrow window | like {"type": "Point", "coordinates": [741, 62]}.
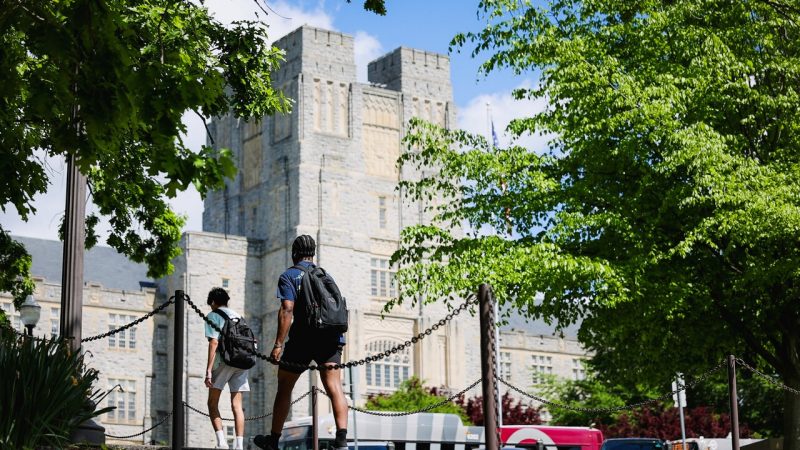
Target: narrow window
{"type": "Point", "coordinates": [382, 212]}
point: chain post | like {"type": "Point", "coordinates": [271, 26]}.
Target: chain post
{"type": "Point", "coordinates": [177, 374]}
{"type": "Point", "coordinates": [734, 402]}
{"type": "Point", "coordinates": [314, 419]}
{"type": "Point", "coordinates": [486, 301]}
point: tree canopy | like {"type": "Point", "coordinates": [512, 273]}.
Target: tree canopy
{"type": "Point", "coordinates": [108, 82]}
{"type": "Point", "coordinates": [412, 395]}
{"type": "Point", "coordinates": [663, 214]}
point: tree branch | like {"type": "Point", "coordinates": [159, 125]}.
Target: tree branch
{"type": "Point", "coordinates": [208, 132]}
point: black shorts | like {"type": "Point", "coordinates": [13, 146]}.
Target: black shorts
{"type": "Point", "coordinates": [303, 351]}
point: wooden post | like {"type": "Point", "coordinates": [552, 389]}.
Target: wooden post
{"type": "Point", "coordinates": [178, 437]}
{"type": "Point", "coordinates": [734, 403]}
{"type": "Point", "coordinates": [486, 300]}
{"type": "Point", "coordinates": [314, 418]}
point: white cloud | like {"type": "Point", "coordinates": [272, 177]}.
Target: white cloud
{"type": "Point", "coordinates": [474, 117]}
{"type": "Point", "coordinates": [367, 48]}
{"type": "Point", "coordinates": [282, 16]}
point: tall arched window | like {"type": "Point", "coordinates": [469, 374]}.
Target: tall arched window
{"type": "Point", "coordinates": [387, 374]}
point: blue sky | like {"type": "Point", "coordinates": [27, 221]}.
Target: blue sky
{"type": "Point", "coordinates": [427, 25]}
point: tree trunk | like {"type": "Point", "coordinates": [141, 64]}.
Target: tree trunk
{"type": "Point", "coordinates": [791, 415]}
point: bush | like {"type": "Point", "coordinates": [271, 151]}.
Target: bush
{"type": "Point", "coordinates": [45, 392]}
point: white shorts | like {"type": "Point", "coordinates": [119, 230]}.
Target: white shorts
{"type": "Point", "coordinates": [236, 379]}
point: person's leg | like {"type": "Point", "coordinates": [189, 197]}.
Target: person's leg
{"type": "Point", "coordinates": [329, 355]}
{"type": "Point", "coordinates": [280, 410]}
{"type": "Point", "coordinates": [332, 382]}
{"type": "Point", "coordinates": [213, 408]}
{"type": "Point", "coordinates": [213, 412]}
{"type": "Point", "coordinates": [238, 417]}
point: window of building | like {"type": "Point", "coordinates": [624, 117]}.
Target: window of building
{"type": "Point", "coordinates": [123, 401]}
{"type": "Point", "coordinates": [542, 367]}
{"type": "Point", "coordinates": [226, 282]}
{"type": "Point", "coordinates": [124, 338]}
{"type": "Point", "coordinates": [55, 319]}
{"type": "Point", "coordinates": [578, 371]}
{"type": "Point", "coordinates": [505, 366]}
{"type": "Point", "coordinates": [387, 373]}
{"type": "Point", "coordinates": [382, 212]}
{"type": "Point", "coordinates": [13, 316]}
{"type": "Point", "coordinates": [382, 278]}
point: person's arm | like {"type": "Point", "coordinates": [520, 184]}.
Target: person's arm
{"type": "Point", "coordinates": [285, 315]}
{"type": "Point", "coordinates": [212, 352]}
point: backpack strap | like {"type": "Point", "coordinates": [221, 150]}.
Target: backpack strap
{"type": "Point", "coordinates": [221, 313]}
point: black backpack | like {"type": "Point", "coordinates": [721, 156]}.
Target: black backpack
{"type": "Point", "coordinates": [324, 307]}
{"type": "Point", "coordinates": [237, 343]}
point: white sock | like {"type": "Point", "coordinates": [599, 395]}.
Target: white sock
{"type": "Point", "coordinates": [221, 439]}
{"type": "Point", "coordinates": [239, 442]}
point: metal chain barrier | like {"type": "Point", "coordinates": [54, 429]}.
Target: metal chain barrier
{"type": "Point", "coordinates": [767, 378]}
{"type": "Point", "coordinates": [170, 301]}
{"type": "Point", "coordinates": [408, 413]}
{"type": "Point", "coordinates": [164, 419]}
{"type": "Point", "coordinates": [246, 418]}
{"type": "Point", "coordinates": [681, 387]}
{"type": "Point", "coordinates": [25, 336]}
{"type": "Point", "coordinates": [292, 365]}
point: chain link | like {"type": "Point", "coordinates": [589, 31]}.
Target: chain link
{"type": "Point", "coordinates": [132, 324]}
{"type": "Point", "coordinates": [246, 418]}
{"type": "Point", "coordinates": [292, 365]}
{"type": "Point", "coordinates": [164, 419]}
{"type": "Point", "coordinates": [421, 410]}
{"type": "Point", "coordinates": [681, 387]}
{"type": "Point", "coordinates": [767, 378]}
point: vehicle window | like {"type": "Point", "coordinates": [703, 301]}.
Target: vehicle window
{"type": "Point", "coordinates": [423, 446]}
{"type": "Point", "coordinates": [400, 446]}
{"type": "Point", "coordinates": [623, 445]}
{"type": "Point", "coordinates": [448, 446]}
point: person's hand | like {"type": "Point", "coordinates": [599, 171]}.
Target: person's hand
{"type": "Point", "coordinates": [276, 353]}
{"type": "Point", "coordinates": [207, 381]}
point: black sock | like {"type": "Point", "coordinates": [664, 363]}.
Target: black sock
{"type": "Point", "coordinates": [341, 438]}
{"type": "Point", "coordinates": [273, 436]}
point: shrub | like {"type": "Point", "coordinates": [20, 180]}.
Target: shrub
{"type": "Point", "coordinates": [45, 392]}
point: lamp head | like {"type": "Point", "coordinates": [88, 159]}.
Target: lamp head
{"type": "Point", "coordinates": [29, 312]}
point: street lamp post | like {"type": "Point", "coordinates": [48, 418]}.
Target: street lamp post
{"type": "Point", "coordinates": [29, 313]}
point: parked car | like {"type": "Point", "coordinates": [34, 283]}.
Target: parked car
{"type": "Point", "coordinates": [634, 444]}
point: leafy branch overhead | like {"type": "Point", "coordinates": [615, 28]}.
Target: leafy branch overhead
{"type": "Point", "coordinates": [109, 81]}
{"type": "Point", "coordinates": [662, 213]}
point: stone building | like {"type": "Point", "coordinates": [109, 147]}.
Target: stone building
{"type": "Point", "coordinates": [327, 169]}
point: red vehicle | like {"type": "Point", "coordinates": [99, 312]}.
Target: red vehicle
{"type": "Point", "coordinates": [434, 431]}
{"type": "Point", "coordinates": [551, 438]}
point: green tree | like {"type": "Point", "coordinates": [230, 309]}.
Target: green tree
{"type": "Point", "coordinates": [108, 81]}
{"type": "Point", "coordinates": [664, 212]}
{"type": "Point", "coordinates": [411, 396]}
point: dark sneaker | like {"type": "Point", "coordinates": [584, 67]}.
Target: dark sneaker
{"type": "Point", "coordinates": [265, 442]}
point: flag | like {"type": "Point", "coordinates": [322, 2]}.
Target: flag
{"type": "Point", "coordinates": [494, 136]}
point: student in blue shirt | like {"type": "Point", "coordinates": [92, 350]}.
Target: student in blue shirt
{"type": "Point", "coordinates": [304, 345]}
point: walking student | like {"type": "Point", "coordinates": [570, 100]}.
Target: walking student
{"type": "Point", "coordinates": [218, 373]}
{"type": "Point", "coordinates": [317, 339]}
